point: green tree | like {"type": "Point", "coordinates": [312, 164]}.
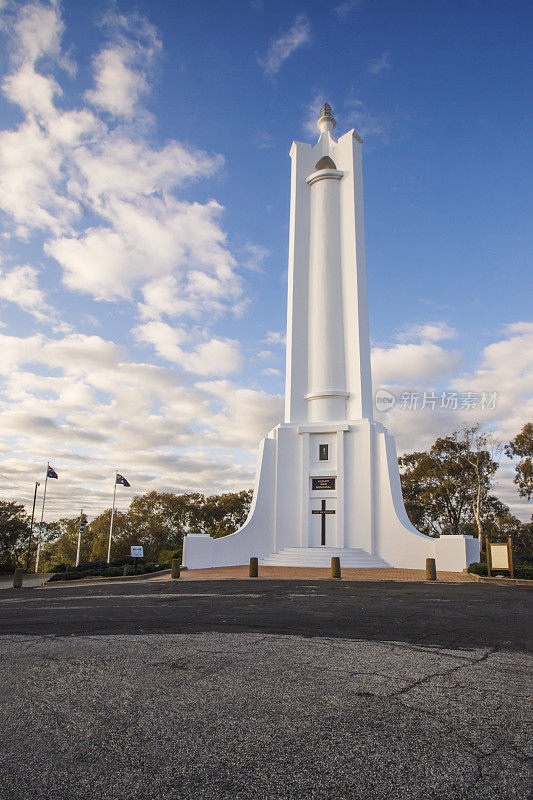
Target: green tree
{"type": "Point", "coordinates": [522, 447]}
{"type": "Point", "coordinates": [14, 534]}
{"type": "Point", "coordinates": [225, 513]}
{"type": "Point", "coordinates": [159, 520]}
{"type": "Point", "coordinates": [99, 533]}
{"type": "Point", "coordinates": [448, 487]}
{"type": "Point", "coordinates": [61, 545]}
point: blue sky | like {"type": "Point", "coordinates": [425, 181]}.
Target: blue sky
{"type": "Point", "coordinates": [144, 198]}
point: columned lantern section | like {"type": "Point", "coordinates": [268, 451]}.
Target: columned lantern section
{"type": "Point", "coordinates": [326, 399]}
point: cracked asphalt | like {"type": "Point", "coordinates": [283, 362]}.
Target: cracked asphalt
{"type": "Point", "coordinates": [279, 690]}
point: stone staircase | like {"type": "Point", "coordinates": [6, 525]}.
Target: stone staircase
{"type": "Point", "coordinates": [321, 557]}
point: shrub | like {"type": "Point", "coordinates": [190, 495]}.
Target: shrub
{"type": "Point", "coordinates": [478, 568]}
{"type": "Point", "coordinates": [72, 575]}
{"type": "Point", "coordinates": [102, 570]}
{"type": "Point", "coordinates": [524, 570]}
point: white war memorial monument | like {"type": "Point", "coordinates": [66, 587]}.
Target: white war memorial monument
{"type": "Point", "coordinates": [327, 481]}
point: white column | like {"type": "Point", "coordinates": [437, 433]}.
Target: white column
{"type": "Point", "coordinates": [327, 394]}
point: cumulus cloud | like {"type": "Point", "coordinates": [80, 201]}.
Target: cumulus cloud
{"type": "Point", "coordinates": [433, 398]}
{"type": "Point", "coordinates": [276, 337]}
{"type": "Point", "coordinates": [19, 285]}
{"type": "Point", "coordinates": [284, 46]}
{"type": "Point", "coordinates": [99, 191]}
{"type": "Point", "coordinates": [81, 184]}
{"type": "Point", "coordinates": [213, 357]}
{"type": "Point", "coordinates": [83, 403]}
{"type": "Point", "coordinates": [505, 367]}
{"type": "Point", "coordinates": [428, 332]}
{"type": "Point", "coordinates": [416, 363]}
{"type": "Point", "coordinates": [244, 417]}
{"type": "Point", "coordinates": [121, 68]}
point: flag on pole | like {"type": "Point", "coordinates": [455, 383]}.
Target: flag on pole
{"type": "Point", "coordinates": [120, 479]}
{"type": "Point", "coordinates": [51, 473]}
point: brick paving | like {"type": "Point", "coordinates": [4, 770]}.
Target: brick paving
{"type": "Point", "coordinates": [318, 573]}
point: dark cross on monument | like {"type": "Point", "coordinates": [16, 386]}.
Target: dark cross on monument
{"type": "Point", "coordinates": [323, 511]}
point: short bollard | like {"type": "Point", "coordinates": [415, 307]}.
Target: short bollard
{"type": "Point", "coordinates": [175, 568]}
{"type": "Point", "coordinates": [17, 578]}
{"type": "Point", "coordinates": [335, 567]}
{"type": "Point", "coordinates": [254, 567]}
{"type": "Point", "coordinates": [431, 569]}
{"type": "Point", "coordinates": [125, 570]}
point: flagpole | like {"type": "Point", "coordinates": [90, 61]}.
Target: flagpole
{"type": "Point", "coordinates": [111, 525]}
{"type": "Point", "coordinates": [41, 522]}
{"type": "Point", "coordinates": [79, 539]}
{"type": "Point", "coordinates": [31, 525]}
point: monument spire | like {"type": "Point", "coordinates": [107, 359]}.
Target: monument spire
{"type": "Point", "coordinates": [327, 480]}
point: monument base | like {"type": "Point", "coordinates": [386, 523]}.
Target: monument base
{"type": "Point", "coordinates": [325, 486]}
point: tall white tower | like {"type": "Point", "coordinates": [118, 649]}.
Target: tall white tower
{"type": "Point", "coordinates": [327, 480]}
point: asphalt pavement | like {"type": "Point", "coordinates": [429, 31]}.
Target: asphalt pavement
{"type": "Point", "coordinates": [279, 690]}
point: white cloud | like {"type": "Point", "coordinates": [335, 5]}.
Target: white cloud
{"type": "Point", "coordinates": [271, 372]}
{"type": "Point", "coordinates": [428, 332]}
{"type": "Point", "coordinates": [214, 357]}
{"type": "Point", "coordinates": [82, 403]}
{"type": "Point", "coordinates": [245, 415]}
{"type": "Point", "coordinates": [412, 363]}
{"type": "Point", "coordinates": [284, 46]}
{"type": "Point", "coordinates": [501, 388]}
{"type": "Point", "coordinates": [380, 64]}
{"type": "Point", "coordinates": [122, 67]}
{"type": "Point", "coordinates": [37, 32]}
{"type": "Point", "coordinates": [19, 285]}
{"type": "Point", "coordinates": [60, 169]}
{"type": "Point", "coordinates": [505, 367]}
{"type": "Point", "coordinates": [276, 337]}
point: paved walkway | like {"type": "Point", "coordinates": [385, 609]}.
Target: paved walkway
{"type": "Point", "coordinates": [30, 581]}
{"type": "Point", "coordinates": [235, 573]}
{"type": "Point", "coordinates": [317, 573]}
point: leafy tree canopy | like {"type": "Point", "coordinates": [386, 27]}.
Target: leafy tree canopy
{"type": "Point", "coordinates": [14, 534]}
{"type": "Point", "coordinates": [522, 447]}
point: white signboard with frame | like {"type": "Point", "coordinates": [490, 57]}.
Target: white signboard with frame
{"type": "Point", "coordinates": [137, 551]}
{"type": "Point", "coordinates": [499, 556]}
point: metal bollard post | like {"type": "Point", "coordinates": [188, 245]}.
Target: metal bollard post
{"type": "Point", "coordinates": [175, 568]}
{"type": "Point", "coordinates": [431, 569]}
{"type": "Point", "coordinates": [17, 578]}
{"type": "Point", "coordinates": [254, 567]}
{"type": "Point", "coordinates": [335, 567]}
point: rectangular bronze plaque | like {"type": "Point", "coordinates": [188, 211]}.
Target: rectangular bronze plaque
{"type": "Point", "coordinates": [323, 483]}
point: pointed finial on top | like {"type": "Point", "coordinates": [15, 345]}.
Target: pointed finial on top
{"type": "Point", "coordinates": [326, 120]}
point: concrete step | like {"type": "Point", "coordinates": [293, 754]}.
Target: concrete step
{"type": "Point", "coordinates": [321, 557]}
